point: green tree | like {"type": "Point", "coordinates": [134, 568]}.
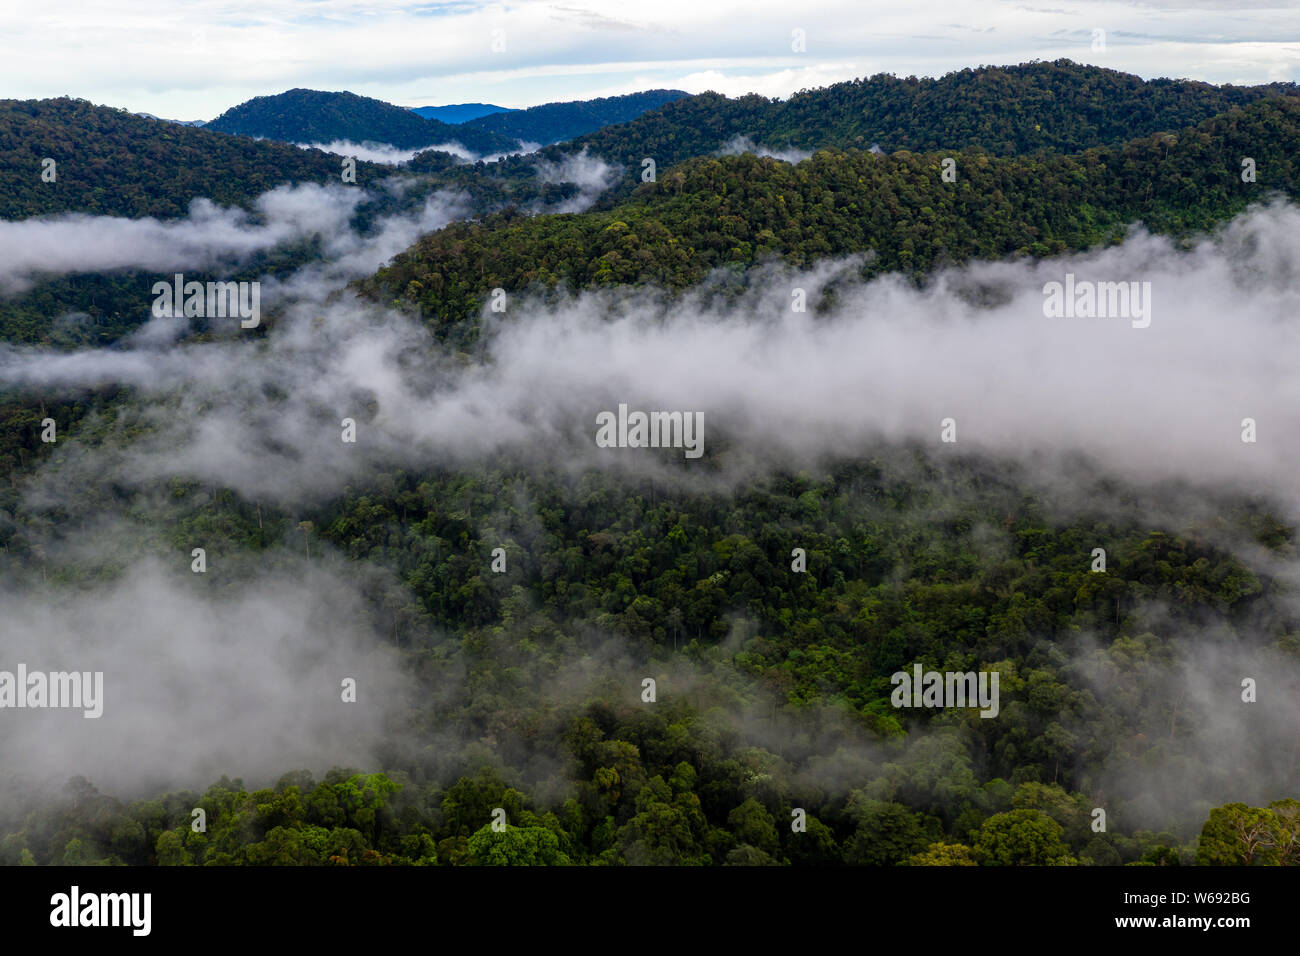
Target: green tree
{"type": "Point", "coordinates": [170, 850]}
{"type": "Point", "coordinates": [752, 824]}
{"type": "Point", "coordinates": [515, 846]}
{"type": "Point", "coordinates": [1238, 835]}
{"type": "Point", "coordinates": [887, 833]}
{"type": "Point", "coordinates": [944, 854]}
{"type": "Point", "coordinates": [1021, 838]}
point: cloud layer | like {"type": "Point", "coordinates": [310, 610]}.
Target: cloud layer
{"type": "Point", "coordinates": [886, 363]}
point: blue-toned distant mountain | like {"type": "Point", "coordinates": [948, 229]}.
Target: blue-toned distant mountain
{"type": "Point", "coordinates": [459, 112]}
{"type": "Point", "coordinates": [557, 122]}
{"type": "Point", "coordinates": [314, 116]}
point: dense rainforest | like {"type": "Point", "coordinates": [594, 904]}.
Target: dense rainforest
{"type": "Point", "coordinates": [697, 590]}
{"type": "Point", "coordinates": [774, 682]}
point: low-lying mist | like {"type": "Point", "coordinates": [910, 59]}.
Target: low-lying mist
{"type": "Point", "coordinates": [203, 674]}
{"type": "Point", "coordinates": [885, 362]}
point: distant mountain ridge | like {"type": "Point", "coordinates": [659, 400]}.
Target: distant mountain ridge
{"type": "Point", "coordinates": [557, 122]}
{"type": "Point", "coordinates": [314, 116]}
{"type": "Point", "coordinates": [1061, 106]}
{"type": "Point", "coordinates": [459, 112]}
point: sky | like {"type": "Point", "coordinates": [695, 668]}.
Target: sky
{"type": "Point", "coordinates": [192, 59]}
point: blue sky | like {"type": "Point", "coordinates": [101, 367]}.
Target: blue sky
{"type": "Point", "coordinates": [191, 59]}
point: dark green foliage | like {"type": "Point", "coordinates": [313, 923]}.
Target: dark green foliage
{"type": "Point", "coordinates": [704, 579]}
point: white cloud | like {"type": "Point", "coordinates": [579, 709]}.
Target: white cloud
{"type": "Point", "coordinates": [209, 236]}
{"type": "Point", "coordinates": [200, 681]}
{"type": "Point", "coordinates": [213, 237]}
{"type": "Point", "coordinates": [590, 174]}
{"type": "Point", "coordinates": [743, 144]}
{"type": "Point", "coordinates": [367, 152]}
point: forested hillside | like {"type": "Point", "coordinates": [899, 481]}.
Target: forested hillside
{"type": "Point", "coordinates": [110, 162]}
{"type": "Point", "coordinates": [734, 211]}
